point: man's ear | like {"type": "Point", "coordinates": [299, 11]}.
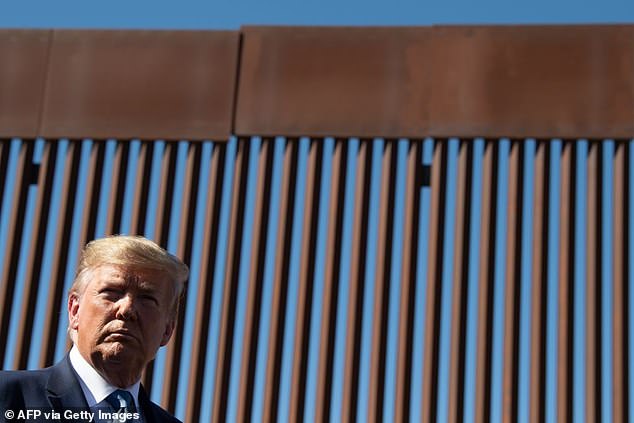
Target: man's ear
{"type": "Point", "coordinates": [73, 311]}
{"type": "Point", "coordinates": [169, 330]}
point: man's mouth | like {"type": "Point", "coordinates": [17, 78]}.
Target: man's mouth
{"type": "Point", "coordinates": [120, 336]}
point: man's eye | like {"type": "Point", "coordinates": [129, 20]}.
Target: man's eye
{"type": "Point", "coordinates": [149, 298]}
{"type": "Point", "coordinates": [111, 293]}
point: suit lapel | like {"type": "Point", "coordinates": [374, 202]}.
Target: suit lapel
{"type": "Point", "coordinates": [63, 388]}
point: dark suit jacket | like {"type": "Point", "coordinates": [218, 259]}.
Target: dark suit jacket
{"type": "Point", "coordinates": [57, 388]}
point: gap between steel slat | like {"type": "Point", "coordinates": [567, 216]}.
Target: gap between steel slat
{"type": "Point", "coordinates": [205, 286]}
{"type": "Point", "coordinates": [512, 281]}
{"type": "Point", "coordinates": [620, 281]}
{"type": "Point", "coordinates": [306, 281]}
{"type": "Point", "coordinates": [5, 149]}
{"type": "Point", "coordinates": [186, 234]}
{"type": "Point", "coordinates": [282, 263]}
{"type": "Point", "coordinates": [485, 283]}
{"type": "Point", "coordinates": [232, 277]}
{"type": "Point", "coordinates": [59, 265]}
{"type": "Point", "coordinates": [539, 277]}
{"type": "Point", "coordinates": [408, 283]}
{"type": "Point", "coordinates": [566, 283]}
{"type": "Point", "coordinates": [162, 224]}
{"type": "Point", "coordinates": [331, 283]}
{"type": "Point", "coordinates": [460, 283]}
{"type": "Point", "coordinates": [256, 280]}
{"type": "Point", "coordinates": [357, 280]}
{"type": "Point", "coordinates": [434, 281]}
{"type": "Point", "coordinates": [25, 173]}
{"type": "Point", "coordinates": [382, 282]}
{"type": "Point", "coordinates": [35, 255]}
{"type": "Point", "coordinates": [142, 188]}
{"type": "Point", "coordinates": [593, 249]}
{"type": "Point", "coordinates": [117, 189]}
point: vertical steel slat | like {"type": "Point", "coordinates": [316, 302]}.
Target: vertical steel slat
{"type": "Point", "coordinates": [205, 287]}
{"type": "Point", "coordinates": [5, 148]}
{"type": "Point", "coordinates": [117, 189]}
{"type": "Point", "coordinates": [538, 279]}
{"type": "Point", "coordinates": [186, 232]}
{"type": "Point", "coordinates": [25, 174]}
{"type": "Point", "coordinates": [142, 188]}
{"type": "Point", "coordinates": [62, 240]}
{"type": "Point", "coordinates": [357, 280]}
{"type": "Point", "coordinates": [408, 282]}
{"type": "Point", "coordinates": [460, 280]}
{"type": "Point", "coordinates": [434, 281]}
{"type": "Point", "coordinates": [382, 283]}
{"type": "Point", "coordinates": [232, 273]}
{"type": "Point", "coordinates": [566, 279]}
{"type": "Point", "coordinates": [256, 279]}
{"type": "Point", "coordinates": [36, 249]}
{"type": "Point", "coordinates": [593, 248]}
{"type": "Point", "coordinates": [485, 283]}
{"type": "Point", "coordinates": [282, 263]}
{"type": "Point", "coordinates": [332, 275]}
{"type": "Point", "coordinates": [512, 281]}
{"type": "Point", "coordinates": [93, 187]}
{"type": "Point", "coordinates": [306, 281]}
{"type": "Point", "coordinates": [620, 283]}
{"type": "Point", "coordinates": [162, 223]}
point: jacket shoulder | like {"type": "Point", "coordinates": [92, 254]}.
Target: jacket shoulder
{"type": "Point", "coordinates": [162, 416]}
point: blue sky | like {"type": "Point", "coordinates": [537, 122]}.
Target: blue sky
{"type": "Point", "coordinates": [198, 14]}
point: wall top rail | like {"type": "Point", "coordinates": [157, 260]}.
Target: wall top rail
{"type": "Point", "coordinates": [558, 81]}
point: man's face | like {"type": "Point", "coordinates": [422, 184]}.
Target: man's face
{"type": "Point", "coordinates": [122, 317]}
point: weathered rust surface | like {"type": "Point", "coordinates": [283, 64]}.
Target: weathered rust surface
{"type": "Point", "coordinates": [315, 81]}
{"type": "Point", "coordinates": [141, 84]}
{"type": "Point", "coordinates": [532, 81]}
{"type": "Point", "coordinates": [23, 54]}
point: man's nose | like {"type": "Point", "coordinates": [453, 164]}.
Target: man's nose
{"type": "Point", "coordinates": [126, 308]}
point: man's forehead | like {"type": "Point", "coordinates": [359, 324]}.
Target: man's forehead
{"type": "Point", "coordinates": [130, 273]}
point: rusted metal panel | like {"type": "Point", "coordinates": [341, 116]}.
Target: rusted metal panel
{"type": "Point", "coordinates": [321, 81]}
{"type": "Point", "coordinates": [141, 84]}
{"type": "Point", "coordinates": [117, 187]}
{"type": "Point", "coordinates": [24, 57]}
{"type": "Point", "coordinates": [532, 81]}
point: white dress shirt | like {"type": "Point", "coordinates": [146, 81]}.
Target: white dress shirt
{"type": "Point", "coordinates": [94, 386]}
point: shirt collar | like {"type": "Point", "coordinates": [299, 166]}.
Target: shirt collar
{"type": "Point", "coordinates": [95, 387]}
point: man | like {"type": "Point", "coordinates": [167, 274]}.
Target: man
{"type": "Point", "coordinates": [121, 308]}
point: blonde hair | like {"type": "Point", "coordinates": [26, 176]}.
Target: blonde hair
{"type": "Point", "coordinates": [129, 251]}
